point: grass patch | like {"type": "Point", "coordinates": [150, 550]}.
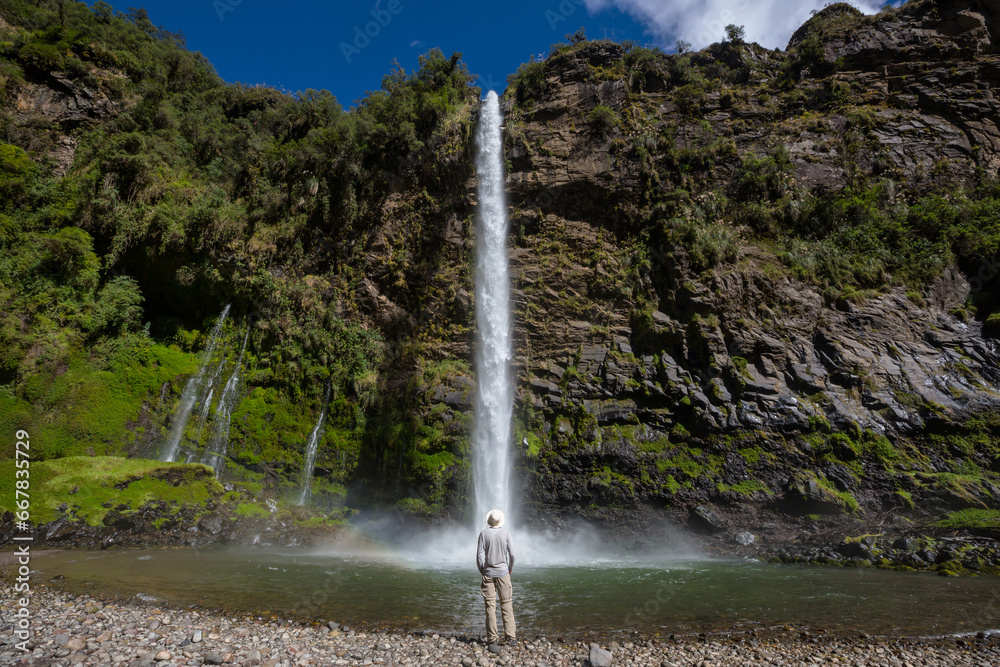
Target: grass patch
{"type": "Point", "coordinates": [907, 498]}
{"type": "Point", "coordinates": [91, 409]}
{"type": "Point", "coordinates": [608, 478]}
{"type": "Point", "coordinates": [534, 445]}
{"type": "Point", "coordinates": [252, 510]}
{"type": "Point", "coordinates": [654, 446]}
{"type": "Point", "coordinates": [86, 483]}
{"type": "Point", "coordinates": [740, 364]}
{"type": "Point", "coordinates": [670, 485]}
{"type": "Point", "coordinates": [969, 518]}
{"type": "Point", "coordinates": [748, 487]}
{"type": "Point", "coordinates": [683, 464]}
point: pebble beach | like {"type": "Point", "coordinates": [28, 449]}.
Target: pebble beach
{"type": "Point", "coordinates": [74, 630]}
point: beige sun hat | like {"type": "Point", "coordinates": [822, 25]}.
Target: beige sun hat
{"type": "Point", "coordinates": [495, 519]}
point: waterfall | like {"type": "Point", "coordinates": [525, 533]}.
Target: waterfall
{"type": "Point", "coordinates": [215, 452]}
{"type": "Point", "coordinates": [205, 405]}
{"type": "Point", "coordinates": [190, 394]}
{"type": "Point", "coordinates": [210, 386]}
{"type": "Point", "coordinates": [495, 397]}
{"type": "Point", "coordinates": [311, 446]}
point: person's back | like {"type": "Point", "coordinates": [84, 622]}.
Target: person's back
{"type": "Point", "coordinates": [493, 553]}
{"type": "Point", "coordinates": [495, 560]}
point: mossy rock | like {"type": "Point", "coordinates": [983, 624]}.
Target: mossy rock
{"type": "Point", "coordinates": [991, 327]}
{"type": "Point", "coordinates": [950, 566]}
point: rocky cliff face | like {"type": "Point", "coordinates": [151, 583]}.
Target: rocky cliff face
{"type": "Point", "coordinates": [645, 379]}
{"type": "Point", "coordinates": [49, 105]}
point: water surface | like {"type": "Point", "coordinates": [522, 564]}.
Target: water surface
{"type": "Point", "coordinates": [672, 596]}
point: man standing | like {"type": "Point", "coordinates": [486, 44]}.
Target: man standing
{"type": "Point", "coordinates": [495, 560]}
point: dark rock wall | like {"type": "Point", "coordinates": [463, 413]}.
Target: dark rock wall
{"type": "Point", "coordinates": [644, 380]}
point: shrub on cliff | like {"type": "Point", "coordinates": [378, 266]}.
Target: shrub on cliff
{"type": "Point", "coordinates": [603, 120]}
{"type": "Point", "coordinates": [528, 82]}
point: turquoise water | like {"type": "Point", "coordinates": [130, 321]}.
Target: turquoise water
{"type": "Point", "coordinates": [672, 596]}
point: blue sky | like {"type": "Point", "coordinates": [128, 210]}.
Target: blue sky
{"type": "Point", "coordinates": [298, 45]}
{"type": "Point", "coordinates": [295, 46]}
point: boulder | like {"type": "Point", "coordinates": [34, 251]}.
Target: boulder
{"type": "Point", "coordinates": [805, 495]}
{"type": "Point", "coordinates": [212, 658]}
{"type": "Point", "coordinates": [599, 657]}
{"type": "Point", "coordinates": [703, 519]}
{"type": "Point", "coordinates": [75, 644]}
{"type": "Point", "coordinates": [60, 529]}
{"type": "Point", "coordinates": [211, 523]}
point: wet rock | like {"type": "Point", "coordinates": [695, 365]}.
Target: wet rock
{"type": "Point", "coordinates": [60, 529]}
{"type": "Point", "coordinates": [705, 520]}
{"type": "Point", "coordinates": [115, 519]}
{"type": "Point", "coordinates": [211, 523]}
{"type": "Point", "coordinates": [544, 387]}
{"type": "Point", "coordinates": [855, 549]}
{"type": "Point", "coordinates": [805, 495]}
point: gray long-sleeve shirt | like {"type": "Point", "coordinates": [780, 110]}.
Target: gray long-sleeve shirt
{"type": "Point", "coordinates": [495, 553]}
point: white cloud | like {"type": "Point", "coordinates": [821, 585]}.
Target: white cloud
{"type": "Point", "coordinates": [702, 22]}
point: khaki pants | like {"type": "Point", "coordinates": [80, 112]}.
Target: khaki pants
{"type": "Point", "coordinates": [491, 586]}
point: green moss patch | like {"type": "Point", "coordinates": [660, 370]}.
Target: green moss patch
{"type": "Point", "coordinates": [87, 483]}
{"type": "Point", "coordinates": [970, 519]}
{"type": "Point", "coordinates": [748, 487]}
{"type": "Point", "coordinates": [93, 405]}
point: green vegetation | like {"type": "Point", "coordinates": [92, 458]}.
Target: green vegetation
{"type": "Point", "coordinates": [970, 519]}
{"type": "Point", "coordinates": [92, 405]}
{"type": "Point", "coordinates": [339, 236]}
{"type": "Point", "coordinates": [603, 120]}
{"type": "Point", "coordinates": [91, 486]}
{"type": "Point", "coordinates": [741, 366]}
{"type": "Point", "coordinates": [847, 501]}
{"type": "Point", "coordinates": [528, 82]}
{"type": "Point", "coordinates": [193, 194]}
{"type": "Point", "coordinates": [749, 487]}
{"type": "Point", "coordinates": [752, 455]}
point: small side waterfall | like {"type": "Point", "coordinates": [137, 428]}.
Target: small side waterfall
{"type": "Point", "coordinates": [210, 386]}
{"type": "Point", "coordinates": [311, 447]}
{"type": "Point", "coordinates": [215, 452]}
{"type": "Point", "coordinates": [205, 405]}
{"type": "Point", "coordinates": [495, 397]}
{"type": "Point", "coordinates": [189, 396]}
